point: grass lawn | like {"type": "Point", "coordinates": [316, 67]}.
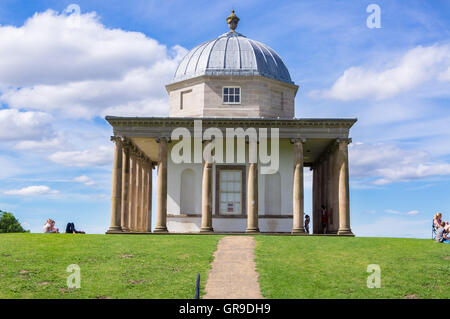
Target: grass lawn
{"type": "Point", "coordinates": [335, 267]}
{"type": "Point", "coordinates": [165, 266]}
{"type": "Point", "coordinates": [112, 266]}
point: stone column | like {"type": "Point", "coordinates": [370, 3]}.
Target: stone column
{"type": "Point", "coordinates": [314, 200]}
{"type": "Point", "coordinates": [325, 183]}
{"type": "Point", "coordinates": [298, 193]}
{"type": "Point", "coordinates": [138, 194]}
{"type": "Point", "coordinates": [161, 189]}
{"type": "Point", "coordinates": [143, 196]}
{"type": "Point", "coordinates": [325, 189]}
{"type": "Point", "coordinates": [207, 191]}
{"type": "Point", "coordinates": [319, 198]}
{"type": "Point", "coordinates": [344, 196]}
{"type": "Point", "coordinates": [149, 197]}
{"type": "Point", "coordinates": [332, 191]}
{"type": "Point", "coordinates": [125, 186]}
{"type": "Point", "coordinates": [132, 206]}
{"type": "Point", "coordinates": [252, 199]}
{"type": "Point", "coordinates": [116, 195]}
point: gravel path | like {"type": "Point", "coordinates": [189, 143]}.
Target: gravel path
{"type": "Point", "coordinates": [233, 274]}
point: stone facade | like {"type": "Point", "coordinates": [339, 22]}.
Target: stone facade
{"type": "Point", "coordinates": [260, 97]}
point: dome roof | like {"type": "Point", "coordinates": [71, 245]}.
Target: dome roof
{"type": "Point", "coordinates": [232, 54]}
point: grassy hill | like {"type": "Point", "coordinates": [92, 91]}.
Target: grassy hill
{"type": "Point", "coordinates": [165, 266]}
{"type": "Point", "coordinates": [112, 266]}
{"type": "Point", "coordinates": [336, 267]}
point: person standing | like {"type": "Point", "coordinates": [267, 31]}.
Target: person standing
{"type": "Point", "coordinates": [307, 220]}
{"type": "Point", "coordinates": [324, 219]}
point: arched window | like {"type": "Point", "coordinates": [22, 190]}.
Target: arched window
{"type": "Point", "coordinates": [187, 192]}
{"type": "Point", "coordinates": [272, 200]}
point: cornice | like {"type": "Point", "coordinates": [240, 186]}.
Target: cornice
{"type": "Point", "coordinates": [230, 122]}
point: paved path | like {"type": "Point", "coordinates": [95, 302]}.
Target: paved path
{"type": "Point", "coordinates": [233, 274]}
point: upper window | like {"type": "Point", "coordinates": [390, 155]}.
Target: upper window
{"type": "Point", "coordinates": [231, 95]}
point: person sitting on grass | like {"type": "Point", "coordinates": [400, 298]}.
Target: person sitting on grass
{"type": "Point", "coordinates": [70, 229]}
{"type": "Point", "coordinates": [437, 220]}
{"type": "Point", "coordinates": [442, 234]}
{"type": "Point", "coordinates": [49, 227]}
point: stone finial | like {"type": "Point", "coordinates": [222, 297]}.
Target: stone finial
{"type": "Point", "coordinates": [232, 21]}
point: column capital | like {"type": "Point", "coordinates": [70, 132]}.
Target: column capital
{"type": "Point", "coordinates": [116, 139]}
{"type": "Point", "coordinates": [297, 140]}
{"type": "Point", "coordinates": [141, 158]}
{"type": "Point", "coordinates": [343, 140]}
{"type": "Point", "coordinates": [160, 139]}
{"type": "Point", "coordinates": [249, 139]}
{"type": "Point", "coordinates": [208, 140]}
{"type": "Point", "coordinates": [126, 143]}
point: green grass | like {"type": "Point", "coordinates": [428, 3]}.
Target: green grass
{"type": "Point", "coordinates": [112, 266]}
{"type": "Point", "coordinates": [335, 267]}
{"type": "Point", "coordinates": [165, 266]}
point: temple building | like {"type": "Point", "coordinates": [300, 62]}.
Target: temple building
{"type": "Point", "coordinates": [229, 85]}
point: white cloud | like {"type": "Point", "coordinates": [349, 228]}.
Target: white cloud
{"type": "Point", "coordinates": [84, 180]}
{"type": "Point", "coordinates": [16, 125]}
{"type": "Point", "coordinates": [93, 157]}
{"type": "Point", "coordinates": [83, 70]}
{"type": "Point", "coordinates": [389, 163]}
{"type": "Point", "coordinates": [42, 145]}
{"type": "Point", "coordinates": [32, 191]}
{"type": "Point", "coordinates": [445, 76]}
{"type": "Point", "coordinates": [416, 67]}
{"type": "Point", "coordinates": [395, 212]}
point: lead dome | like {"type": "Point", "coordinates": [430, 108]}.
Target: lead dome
{"type": "Point", "coordinates": [232, 54]}
{"type": "Point", "coordinates": [232, 76]}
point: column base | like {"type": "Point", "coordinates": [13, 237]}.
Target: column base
{"type": "Point", "coordinates": [252, 230]}
{"type": "Point", "coordinates": [160, 230]}
{"type": "Point", "coordinates": [114, 230]}
{"type": "Point", "coordinates": [125, 229]}
{"type": "Point", "coordinates": [298, 231]}
{"type": "Point", "coordinates": [345, 232]}
{"type": "Point", "coordinates": [207, 230]}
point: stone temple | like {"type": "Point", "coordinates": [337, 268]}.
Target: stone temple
{"type": "Point", "coordinates": [236, 84]}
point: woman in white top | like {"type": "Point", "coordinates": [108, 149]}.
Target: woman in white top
{"type": "Point", "coordinates": [49, 227]}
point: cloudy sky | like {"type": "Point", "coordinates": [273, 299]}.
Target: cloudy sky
{"type": "Point", "coordinates": [62, 71]}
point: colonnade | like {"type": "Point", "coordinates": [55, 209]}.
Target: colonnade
{"type": "Point", "coordinates": [131, 209]}
{"type": "Point", "coordinates": [331, 189]}
{"type": "Point", "coordinates": [131, 200]}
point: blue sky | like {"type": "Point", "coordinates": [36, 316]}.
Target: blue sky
{"type": "Point", "coordinates": [60, 74]}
